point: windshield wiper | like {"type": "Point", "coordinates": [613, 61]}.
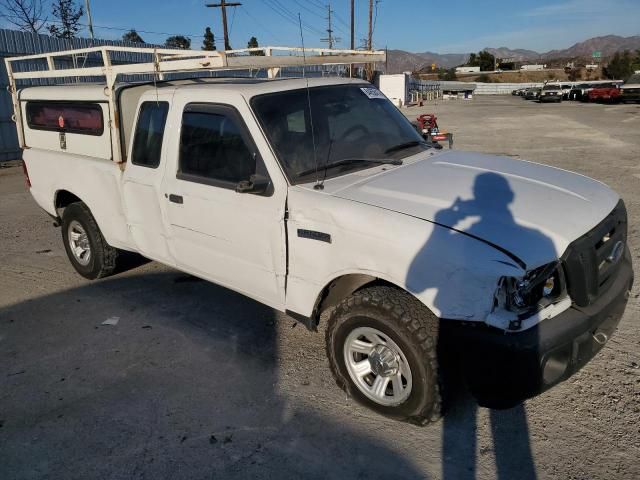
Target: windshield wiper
{"type": "Point", "coordinates": [403, 146]}
{"type": "Point", "coordinates": [349, 161]}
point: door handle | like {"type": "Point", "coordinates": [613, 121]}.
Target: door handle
{"type": "Point", "coordinates": [176, 198]}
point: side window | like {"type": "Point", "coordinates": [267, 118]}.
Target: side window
{"type": "Point", "coordinates": [212, 148]}
{"type": "Point", "coordinates": [147, 143]}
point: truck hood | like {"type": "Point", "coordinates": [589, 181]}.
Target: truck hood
{"type": "Point", "coordinates": [529, 210]}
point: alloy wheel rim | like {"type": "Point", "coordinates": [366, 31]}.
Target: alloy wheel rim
{"type": "Point", "coordinates": [377, 366]}
{"type": "Point", "coordinates": [79, 243]}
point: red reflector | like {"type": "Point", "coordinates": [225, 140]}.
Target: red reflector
{"type": "Point", "coordinates": [26, 174]}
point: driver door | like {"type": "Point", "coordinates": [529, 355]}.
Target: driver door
{"type": "Point", "coordinates": [234, 239]}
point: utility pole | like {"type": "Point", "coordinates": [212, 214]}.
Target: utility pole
{"type": "Point", "coordinates": [353, 40]}
{"type": "Point", "coordinates": [353, 26]}
{"type": "Point", "coordinates": [331, 40]}
{"type": "Point", "coordinates": [370, 41]}
{"type": "Point", "coordinates": [90, 20]}
{"type": "Point", "coordinates": [370, 38]}
{"type": "Point", "coordinates": [223, 6]}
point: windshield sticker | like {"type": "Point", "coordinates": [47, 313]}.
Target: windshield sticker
{"type": "Point", "coordinates": [373, 93]}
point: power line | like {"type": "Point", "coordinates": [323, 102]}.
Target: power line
{"type": "Point", "coordinates": [317, 4]}
{"type": "Point", "coordinates": [312, 12]}
{"type": "Point", "coordinates": [273, 35]}
{"type": "Point", "coordinates": [105, 27]}
{"type": "Point", "coordinates": [290, 16]}
{"type": "Point", "coordinates": [276, 6]}
{"type": "Point", "coordinates": [319, 15]}
{"type": "Point", "coordinates": [293, 15]}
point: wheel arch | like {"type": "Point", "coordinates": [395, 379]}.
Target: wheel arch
{"type": "Point", "coordinates": [114, 232]}
{"type": "Point", "coordinates": [63, 198]}
{"type": "Point", "coordinates": [347, 284]}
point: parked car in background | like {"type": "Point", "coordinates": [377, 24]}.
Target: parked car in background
{"type": "Point", "coordinates": [518, 92]}
{"type": "Point", "coordinates": [578, 91]}
{"type": "Point", "coordinates": [551, 92]}
{"type": "Point", "coordinates": [608, 92]}
{"type": "Point", "coordinates": [630, 91]}
{"type": "Point", "coordinates": [532, 93]}
{"type": "Point", "coordinates": [566, 89]}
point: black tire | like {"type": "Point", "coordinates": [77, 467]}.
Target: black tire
{"type": "Point", "coordinates": [409, 324]}
{"type": "Point", "coordinates": [102, 262]}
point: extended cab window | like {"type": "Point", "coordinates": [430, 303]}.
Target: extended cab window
{"type": "Point", "coordinates": [69, 117]}
{"type": "Point", "coordinates": [212, 148]}
{"type": "Point", "coordinates": [147, 143]}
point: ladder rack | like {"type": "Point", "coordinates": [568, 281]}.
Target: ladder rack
{"type": "Point", "coordinates": [175, 61]}
{"type": "Point", "coordinates": [165, 61]}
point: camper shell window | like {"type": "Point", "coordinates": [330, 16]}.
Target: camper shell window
{"type": "Point", "coordinates": [69, 117]}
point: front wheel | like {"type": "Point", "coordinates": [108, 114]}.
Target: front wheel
{"type": "Point", "coordinates": [88, 251]}
{"type": "Point", "coordinates": [382, 348]}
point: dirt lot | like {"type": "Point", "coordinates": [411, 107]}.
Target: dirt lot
{"type": "Point", "coordinates": [196, 381]}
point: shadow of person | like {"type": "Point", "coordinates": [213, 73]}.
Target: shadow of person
{"type": "Point", "coordinates": [187, 384]}
{"type": "Point", "coordinates": [486, 211]}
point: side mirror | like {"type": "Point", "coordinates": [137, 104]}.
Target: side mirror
{"type": "Point", "coordinates": [256, 185]}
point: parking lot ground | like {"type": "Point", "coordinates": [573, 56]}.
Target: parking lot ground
{"type": "Point", "coordinates": [195, 381]}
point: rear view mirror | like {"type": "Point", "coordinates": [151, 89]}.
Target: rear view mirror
{"type": "Point", "coordinates": [256, 185]}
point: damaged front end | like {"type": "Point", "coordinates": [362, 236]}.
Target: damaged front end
{"type": "Point", "coordinates": [521, 302]}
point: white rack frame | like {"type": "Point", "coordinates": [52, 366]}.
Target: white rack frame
{"type": "Point", "coordinates": [176, 61]}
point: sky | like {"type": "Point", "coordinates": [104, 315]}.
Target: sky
{"type": "Point", "coordinates": [454, 26]}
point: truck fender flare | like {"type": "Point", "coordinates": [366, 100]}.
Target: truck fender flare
{"type": "Point", "coordinates": [343, 286]}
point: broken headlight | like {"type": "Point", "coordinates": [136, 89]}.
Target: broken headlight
{"type": "Point", "coordinates": [531, 293]}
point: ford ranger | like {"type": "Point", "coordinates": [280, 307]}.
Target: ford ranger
{"type": "Point", "coordinates": [318, 196]}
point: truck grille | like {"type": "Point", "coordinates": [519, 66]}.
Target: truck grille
{"type": "Point", "coordinates": [590, 262]}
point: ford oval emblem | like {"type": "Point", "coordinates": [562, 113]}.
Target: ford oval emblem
{"type": "Point", "coordinates": [616, 253]}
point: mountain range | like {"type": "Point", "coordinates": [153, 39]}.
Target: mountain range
{"type": "Point", "coordinates": [402, 61]}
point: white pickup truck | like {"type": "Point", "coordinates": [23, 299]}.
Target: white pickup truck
{"type": "Point", "coordinates": [318, 195]}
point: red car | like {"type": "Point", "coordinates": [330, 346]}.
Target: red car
{"type": "Point", "coordinates": [605, 93]}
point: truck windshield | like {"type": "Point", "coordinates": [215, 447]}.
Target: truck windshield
{"type": "Point", "coordinates": [346, 122]}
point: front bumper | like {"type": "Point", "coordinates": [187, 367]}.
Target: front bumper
{"type": "Point", "coordinates": [503, 369]}
{"type": "Point", "coordinates": [551, 98]}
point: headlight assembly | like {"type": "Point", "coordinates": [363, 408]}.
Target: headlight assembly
{"type": "Point", "coordinates": [531, 293]}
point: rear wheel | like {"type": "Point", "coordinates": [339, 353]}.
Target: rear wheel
{"type": "Point", "coordinates": [88, 251]}
{"type": "Point", "coordinates": [381, 344]}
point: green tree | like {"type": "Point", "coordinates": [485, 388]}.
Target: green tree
{"type": "Point", "coordinates": [178, 41]}
{"type": "Point", "coordinates": [253, 43]}
{"type": "Point", "coordinates": [636, 61]}
{"type": "Point", "coordinates": [132, 36]}
{"type": "Point", "coordinates": [620, 67]}
{"type": "Point", "coordinates": [209, 42]}
{"type": "Point", "coordinates": [447, 75]}
{"type": "Point", "coordinates": [484, 60]}
{"type": "Point", "coordinates": [487, 61]}
{"type": "Point", "coordinates": [68, 18]}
